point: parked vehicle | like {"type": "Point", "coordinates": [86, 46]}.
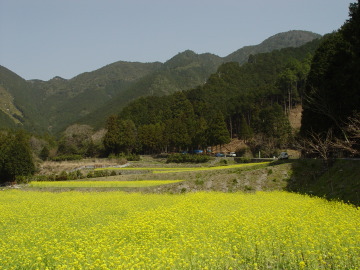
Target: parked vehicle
{"type": "Point", "coordinates": [219, 155]}
{"type": "Point", "coordinates": [232, 154]}
{"type": "Point", "coordinates": [283, 155]}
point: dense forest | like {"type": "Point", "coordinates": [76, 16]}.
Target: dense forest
{"type": "Point", "coordinates": [331, 116]}
{"type": "Point", "coordinates": [249, 102]}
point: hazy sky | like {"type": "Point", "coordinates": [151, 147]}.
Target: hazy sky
{"type": "Point", "coordinates": [40, 39]}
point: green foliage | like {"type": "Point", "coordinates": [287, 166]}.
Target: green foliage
{"type": "Point", "coordinates": [15, 156]}
{"type": "Point", "coordinates": [242, 160]}
{"type": "Point", "coordinates": [333, 83]}
{"type": "Point", "coordinates": [245, 131]}
{"type": "Point", "coordinates": [121, 136]}
{"type": "Point", "coordinates": [236, 100]}
{"type": "Point", "coordinates": [187, 158]}
{"type": "Point", "coordinates": [339, 181]}
{"type": "Point", "coordinates": [279, 41]}
{"type": "Point", "coordinates": [62, 176]}
{"type": "Point", "coordinates": [77, 140]}
{"type": "Point", "coordinates": [217, 132]}
{"type": "Point", "coordinates": [151, 137]}
{"type": "Point", "coordinates": [128, 157]}
{"type": "Point", "coordinates": [44, 154]}
{"type": "Point", "coordinates": [223, 162]}
{"type": "Point", "coordinates": [274, 123]}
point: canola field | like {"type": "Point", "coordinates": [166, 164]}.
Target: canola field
{"type": "Point", "coordinates": [184, 169]}
{"type": "Point", "coordinates": [117, 230]}
{"type": "Point", "coordinates": [94, 184]}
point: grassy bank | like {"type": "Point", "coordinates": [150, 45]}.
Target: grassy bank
{"type": "Point", "coordinates": [339, 179]}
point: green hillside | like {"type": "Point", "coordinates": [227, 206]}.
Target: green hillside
{"type": "Point", "coordinates": [249, 102]}
{"type": "Point", "coordinates": [90, 97]}
{"type": "Point", "coordinates": [279, 41]}
{"type": "Point", "coordinates": [187, 70]}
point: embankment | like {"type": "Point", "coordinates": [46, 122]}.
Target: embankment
{"type": "Point", "coordinates": [339, 179]}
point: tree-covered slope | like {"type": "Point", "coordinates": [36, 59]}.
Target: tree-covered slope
{"type": "Point", "coordinates": [187, 70]}
{"type": "Point", "coordinates": [248, 101]}
{"type": "Point", "coordinates": [19, 105]}
{"type": "Point", "coordinates": [90, 97]}
{"type": "Point", "coordinates": [294, 38]}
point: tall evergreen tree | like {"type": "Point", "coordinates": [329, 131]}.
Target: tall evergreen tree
{"type": "Point", "coordinates": [176, 133]}
{"type": "Point", "coordinates": [217, 132]}
{"type": "Point", "coordinates": [111, 140]}
{"type": "Point", "coordinates": [245, 132]}
{"type": "Point", "coordinates": [333, 86]}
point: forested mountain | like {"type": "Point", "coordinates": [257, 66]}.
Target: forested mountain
{"type": "Point", "coordinates": [183, 71]}
{"type": "Point", "coordinates": [90, 97]}
{"type": "Point", "coordinates": [248, 101]}
{"type": "Point", "coordinates": [279, 41]}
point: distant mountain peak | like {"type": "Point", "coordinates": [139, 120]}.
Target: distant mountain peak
{"type": "Point", "coordinates": [58, 78]}
{"type": "Point", "coordinates": [292, 38]}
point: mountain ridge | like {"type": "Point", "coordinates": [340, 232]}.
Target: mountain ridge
{"type": "Point", "coordinates": [54, 104]}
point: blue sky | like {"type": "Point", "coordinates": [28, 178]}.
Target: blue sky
{"type": "Point", "coordinates": [40, 39]}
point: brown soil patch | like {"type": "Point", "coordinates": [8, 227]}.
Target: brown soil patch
{"type": "Point", "coordinates": [295, 117]}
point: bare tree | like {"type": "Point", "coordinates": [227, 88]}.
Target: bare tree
{"type": "Point", "coordinates": [352, 128]}
{"type": "Point", "coordinates": [318, 144]}
{"type": "Point", "coordinates": [325, 144]}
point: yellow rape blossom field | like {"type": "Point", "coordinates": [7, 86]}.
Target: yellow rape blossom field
{"type": "Point", "coordinates": [203, 230]}
{"type": "Point", "coordinates": [94, 184]}
{"type": "Point", "coordinates": [184, 169]}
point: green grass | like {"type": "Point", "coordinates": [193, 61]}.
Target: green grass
{"type": "Point", "coordinates": [339, 180]}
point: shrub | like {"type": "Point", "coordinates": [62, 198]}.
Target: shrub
{"type": "Point", "coordinates": [184, 158]}
{"type": "Point", "coordinates": [62, 176]}
{"type": "Point", "coordinates": [223, 162]}
{"type": "Point", "coordinates": [242, 160]}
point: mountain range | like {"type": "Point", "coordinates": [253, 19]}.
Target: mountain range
{"type": "Point", "coordinates": [51, 106]}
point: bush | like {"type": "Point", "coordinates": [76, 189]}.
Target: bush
{"type": "Point", "coordinates": [63, 176]}
{"type": "Point", "coordinates": [223, 162]}
{"type": "Point", "coordinates": [187, 158]}
{"type": "Point", "coordinates": [242, 160]}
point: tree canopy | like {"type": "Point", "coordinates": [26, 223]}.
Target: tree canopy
{"type": "Point", "coordinates": [15, 156]}
{"type": "Point", "coordinates": [333, 85]}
